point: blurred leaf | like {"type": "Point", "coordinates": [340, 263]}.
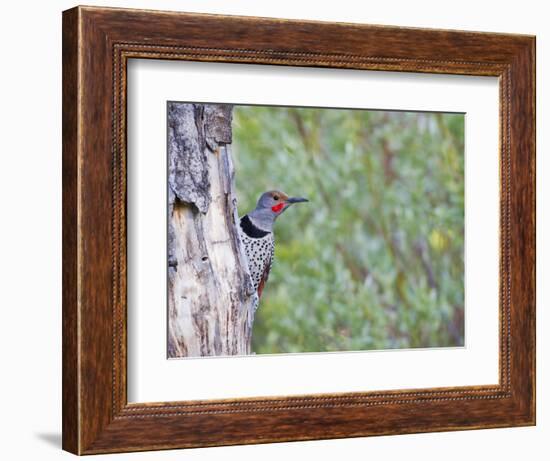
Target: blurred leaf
{"type": "Point", "coordinates": [375, 260]}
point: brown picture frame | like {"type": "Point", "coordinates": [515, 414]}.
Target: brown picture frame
{"type": "Point", "coordinates": [97, 43]}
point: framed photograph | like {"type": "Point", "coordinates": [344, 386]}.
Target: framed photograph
{"type": "Point", "coordinates": [282, 230]}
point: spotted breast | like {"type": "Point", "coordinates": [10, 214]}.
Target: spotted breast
{"type": "Point", "coordinates": [259, 247]}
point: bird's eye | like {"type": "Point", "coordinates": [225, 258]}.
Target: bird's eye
{"type": "Point", "coordinates": [275, 197]}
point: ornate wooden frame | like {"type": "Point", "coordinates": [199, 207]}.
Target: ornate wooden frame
{"type": "Point", "coordinates": [97, 43]}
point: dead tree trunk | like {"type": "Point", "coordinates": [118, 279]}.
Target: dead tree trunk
{"type": "Point", "coordinates": [211, 298]}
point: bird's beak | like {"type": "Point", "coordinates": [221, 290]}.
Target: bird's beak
{"type": "Point", "coordinates": [296, 200]}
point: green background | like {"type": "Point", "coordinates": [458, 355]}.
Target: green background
{"type": "Point", "coordinates": [375, 260]}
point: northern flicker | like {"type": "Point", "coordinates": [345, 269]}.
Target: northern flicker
{"type": "Point", "coordinates": [256, 231]}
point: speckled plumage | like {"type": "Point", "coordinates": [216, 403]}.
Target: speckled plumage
{"type": "Point", "coordinates": [259, 251]}
{"type": "Point", "coordinates": [256, 232]}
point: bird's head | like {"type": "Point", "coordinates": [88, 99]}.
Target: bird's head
{"type": "Point", "coordinates": [270, 205]}
{"type": "Point", "coordinates": [276, 202]}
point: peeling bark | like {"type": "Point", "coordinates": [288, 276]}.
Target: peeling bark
{"type": "Point", "coordinates": [211, 298]}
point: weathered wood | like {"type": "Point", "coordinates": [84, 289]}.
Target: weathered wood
{"type": "Point", "coordinates": [211, 298]}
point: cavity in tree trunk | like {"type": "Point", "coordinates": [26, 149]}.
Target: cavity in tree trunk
{"type": "Point", "coordinates": [211, 298]}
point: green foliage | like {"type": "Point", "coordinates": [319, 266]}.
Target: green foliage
{"type": "Point", "coordinates": [375, 260]}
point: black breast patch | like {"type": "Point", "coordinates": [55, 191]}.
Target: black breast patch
{"type": "Point", "coordinates": [250, 229]}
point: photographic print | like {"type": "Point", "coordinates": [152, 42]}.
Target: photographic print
{"type": "Point", "coordinates": [269, 238]}
{"type": "Point", "coordinates": [298, 229]}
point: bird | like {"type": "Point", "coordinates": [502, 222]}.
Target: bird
{"type": "Point", "coordinates": [256, 233]}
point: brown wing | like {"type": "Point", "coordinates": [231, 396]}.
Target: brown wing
{"type": "Point", "coordinates": [265, 275]}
